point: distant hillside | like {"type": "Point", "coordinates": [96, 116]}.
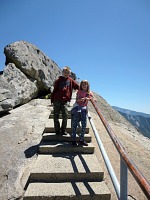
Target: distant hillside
{"type": "Point", "coordinates": [138, 119]}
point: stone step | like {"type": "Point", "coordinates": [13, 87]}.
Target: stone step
{"type": "Point", "coordinates": [68, 190]}
{"type": "Point", "coordinates": [49, 127]}
{"type": "Point", "coordinates": [60, 116]}
{"type": "Point", "coordinates": [55, 147]}
{"type": "Point", "coordinates": [65, 167]}
{"type": "Point", "coordinates": [67, 138]}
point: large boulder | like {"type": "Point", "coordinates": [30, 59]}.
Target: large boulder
{"type": "Point", "coordinates": [23, 88]}
{"type": "Point", "coordinates": [28, 74]}
{"type": "Point", "coordinates": [33, 63]}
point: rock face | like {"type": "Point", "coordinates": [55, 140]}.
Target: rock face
{"type": "Point", "coordinates": [20, 133]}
{"type": "Point", "coordinates": [25, 87]}
{"type": "Point", "coordinates": [6, 99]}
{"type": "Point", "coordinates": [28, 73]}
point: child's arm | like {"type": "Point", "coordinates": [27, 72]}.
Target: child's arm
{"type": "Point", "coordinates": [54, 90]}
{"type": "Point", "coordinates": [84, 99]}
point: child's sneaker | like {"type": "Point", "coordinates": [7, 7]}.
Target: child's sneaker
{"type": "Point", "coordinates": [74, 143]}
{"type": "Point", "coordinates": [83, 143]}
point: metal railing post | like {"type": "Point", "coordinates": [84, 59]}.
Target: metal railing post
{"type": "Point", "coordinates": [123, 180]}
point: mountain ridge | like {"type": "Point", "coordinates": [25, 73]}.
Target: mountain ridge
{"type": "Point", "coordinates": [131, 112]}
{"type": "Point", "coordinates": [138, 119]}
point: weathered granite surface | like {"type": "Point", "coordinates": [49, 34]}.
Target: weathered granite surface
{"type": "Point", "coordinates": [20, 133]}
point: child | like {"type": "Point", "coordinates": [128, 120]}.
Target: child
{"type": "Point", "coordinates": [62, 94]}
{"type": "Point", "coordinates": [79, 112]}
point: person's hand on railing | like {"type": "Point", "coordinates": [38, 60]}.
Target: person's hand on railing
{"type": "Point", "coordinates": [93, 98]}
{"type": "Point", "coordinates": [83, 99]}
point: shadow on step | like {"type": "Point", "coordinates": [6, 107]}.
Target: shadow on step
{"type": "Point", "coordinates": [31, 151]}
{"type": "Point", "coordinates": [71, 157]}
{"type": "Point", "coordinates": [77, 188]}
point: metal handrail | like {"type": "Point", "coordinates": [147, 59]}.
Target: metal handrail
{"type": "Point", "coordinates": [125, 160]}
{"type": "Point", "coordinates": [106, 159]}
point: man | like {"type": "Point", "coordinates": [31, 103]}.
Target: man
{"type": "Point", "coordinates": [62, 94]}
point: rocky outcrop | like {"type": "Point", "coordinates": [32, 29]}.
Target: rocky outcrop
{"type": "Point", "coordinates": [28, 73]}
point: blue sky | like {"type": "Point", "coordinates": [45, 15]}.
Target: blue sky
{"type": "Point", "coordinates": [106, 42]}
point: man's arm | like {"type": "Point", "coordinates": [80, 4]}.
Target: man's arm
{"type": "Point", "coordinates": [75, 85]}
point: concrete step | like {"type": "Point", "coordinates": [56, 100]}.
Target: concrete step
{"type": "Point", "coordinates": [49, 127]}
{"type": "Point", "coordinates": [68, 190]}
{"type": "Point", "coordinates": [65, 167]}
{"type": "Point", "coordinates": [60, 116]}
{"type": "Point", "coordinates": [67, 138]}
{"type": "Point", "coordinates": [55, 147]}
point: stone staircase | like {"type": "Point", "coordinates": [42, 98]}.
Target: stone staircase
{"type": "Point", "coordinates": [63, 171]}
